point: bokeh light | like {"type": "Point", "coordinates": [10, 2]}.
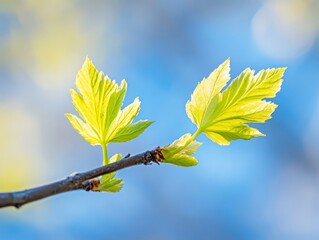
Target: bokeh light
{"type": "Point", "coordinates": [286, 29]}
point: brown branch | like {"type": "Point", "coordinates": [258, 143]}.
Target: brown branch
{"type": "Point", "coordinates": [75, 182]}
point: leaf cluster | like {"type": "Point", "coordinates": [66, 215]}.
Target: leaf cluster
{"type": "Point", "coordinates": [219, 111]}
{"type": "Point", "coordinates": [98, 101]}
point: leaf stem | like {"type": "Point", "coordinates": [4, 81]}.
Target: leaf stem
{"type": "Point", "coordinates": [195, 135]}
{"type": "Point", "coordinates": [192, 138]}
{"type": "Point", "coordinates": [105, 156]}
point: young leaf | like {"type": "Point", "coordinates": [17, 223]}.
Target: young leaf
{"type": "Point", "coordinates": [205, 91]}
{"type": "Point", "coordinates": [131, 131]}
{"type": "Point", "coordinates": [108, 182]}
{"type": "Point", "coordinates": [98, 102]}
{"type": "Point", "coordinates": [179, 152]}
{"type": "Point", "coordinates": [222, 116]}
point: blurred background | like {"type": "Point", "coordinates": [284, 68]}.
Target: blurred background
{"type": "Point", "coordinates": [265, 188]}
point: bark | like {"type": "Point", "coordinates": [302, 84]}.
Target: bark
{"type": "Point", "coordinates": [79, 181]}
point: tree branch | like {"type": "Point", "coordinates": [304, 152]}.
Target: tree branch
{"type": "Point", "coordinates": [75, 182]}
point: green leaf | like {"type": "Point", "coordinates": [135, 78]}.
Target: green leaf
{"type": "Point", "coordinates": [108, 182]}
{"type": "Point", "coordinates": [179, 152]}
{"type": "Point", "coordinates": [116, 157]}
{"type": "Point", "coordinates": [111, 184]}
{"type": "Point", "coordinates": [131, 131]}
{"type": "Point", "coordinates": [205, 91]}
{"type": "Point", "coordinates": [98, 102]}
{"type": "Point", "coordinates": [222, 116]}
{"type": "Point", "coordinates": [83, 129]}
{"type": "Point", "coordinates": [182, 160]}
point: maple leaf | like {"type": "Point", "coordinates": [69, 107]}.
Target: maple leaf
{"type": "Point", "coordinates": [222, 115]}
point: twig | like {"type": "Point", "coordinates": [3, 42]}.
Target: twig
{"type": "Point", "coordinates": [74, 182]}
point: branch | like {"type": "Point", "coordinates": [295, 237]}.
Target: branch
{"type": "Point", "coordinates": [76, 182]}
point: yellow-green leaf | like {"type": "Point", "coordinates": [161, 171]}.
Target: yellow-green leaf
{"type": "Point", "coordinates": [179, 152]}
{"type": "Point", "coordinates": [222, 116]}
{"type": "Point", "coordinates": [182, 160]}
{"type": "Point", "coordinates": [83, 129]}
{"type": "Point", "coordinates": [108, 182]}
{"type": "Point", "coordinates": [131, 131]}
{"type": "Point", "coordinates": [98, 102]}
{"type": "Point", "coordinates": [205, 91]}
{"type": "Point", "coordinates": [116, 157]}
{"type": "Point", "coordinates": [111, 184]}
